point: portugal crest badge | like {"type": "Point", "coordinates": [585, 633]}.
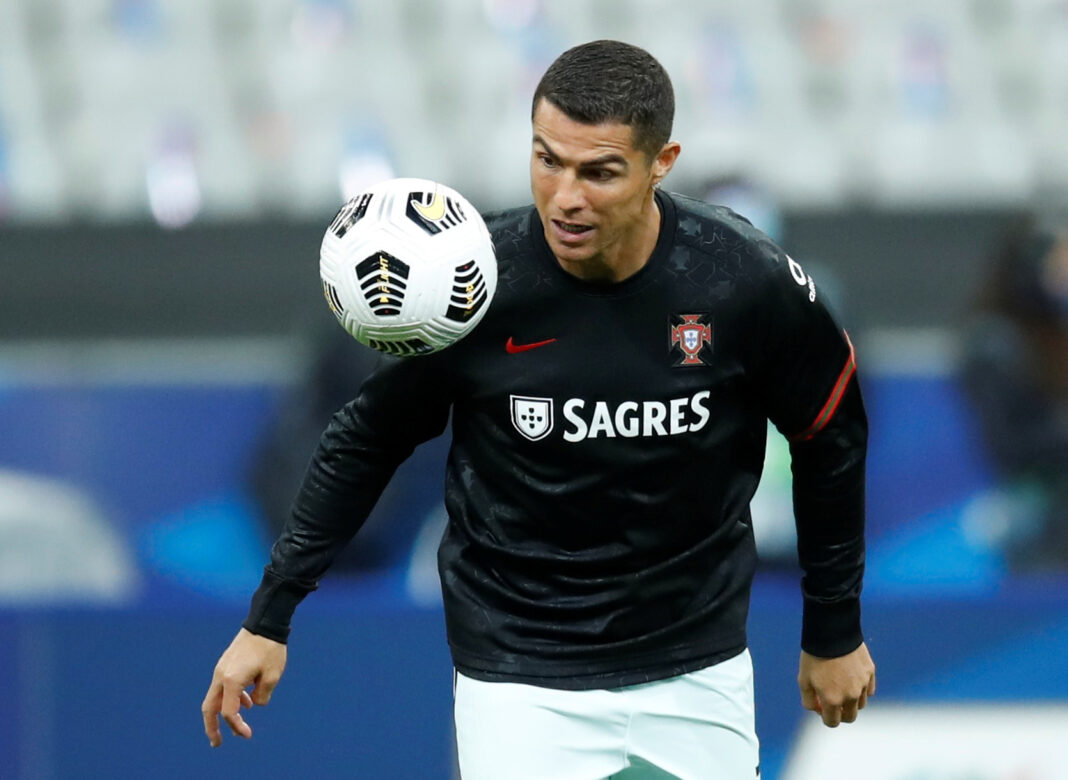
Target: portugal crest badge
{"type": "Point", "coordinates": [532, 417]}
{"type": "Point", "coordinates": [690, 337]}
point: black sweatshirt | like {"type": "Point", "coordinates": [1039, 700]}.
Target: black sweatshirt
{"type": "Point", "coordinates": [607, 440]}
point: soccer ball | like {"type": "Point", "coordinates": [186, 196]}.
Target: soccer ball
{"type": "Point", "coordinates": [408, 267]}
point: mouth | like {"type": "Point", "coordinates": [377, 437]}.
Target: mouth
{"type": "Point", "coordinates": [569, 232]}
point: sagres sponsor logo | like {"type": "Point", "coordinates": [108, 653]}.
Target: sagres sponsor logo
{"type": "Point", "coordinates": [689, 335]}
{"type": "Point", "coordinates": [634, 419]}
{"type": "Point", "coordinates": [532, 417]}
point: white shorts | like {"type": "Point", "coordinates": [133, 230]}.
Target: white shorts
{"type": "Point", "coordinates": [698, 726]}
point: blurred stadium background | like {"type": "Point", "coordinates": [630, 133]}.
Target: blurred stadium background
{"type": "Point", "coordinates": [166, 170]}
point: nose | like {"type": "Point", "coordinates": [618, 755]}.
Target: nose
{"type": "Point", "coordinates": [569, 196]}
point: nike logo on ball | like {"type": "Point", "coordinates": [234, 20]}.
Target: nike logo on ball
{"type": "Point", "coordinates": [512, 348]}
{"type": "Point", "coordinates": [434, 211]}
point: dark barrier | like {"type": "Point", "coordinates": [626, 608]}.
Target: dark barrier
{"type": "Point", "coordinates": [900, 269]}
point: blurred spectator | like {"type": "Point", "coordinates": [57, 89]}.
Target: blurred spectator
{"type": "Point", "coordinates": [5, 195]}
{"type": "Point", "coordinates": [1016, 374]}
{"type": "Point", "coordinates": [171, 176]}
{"type": "Point", "coordinates": [338, 367]}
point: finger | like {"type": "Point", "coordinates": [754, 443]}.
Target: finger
{"type": "Point", "coordinates": [862, 702]}
{"type": "Point", "coordinates": [809, 700]}
{"type": "Point", "coordinates": [246, 700]}
{"type": "Point", "coordinates": [832, 716]}
{"type": "Point", "coordinates": [261, 693]}
{"type": "Point", "coordinates": [231, 703]}
{"type": "Point", "coordinates": [849, 711]}
{"type": "Point", "coordinates": [238, 726]}
{"type": "Point", "coordinates": [210, 710]}
{"type": "Point", "coordinates": [871, 685]}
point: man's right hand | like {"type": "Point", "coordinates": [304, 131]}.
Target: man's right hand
{"type": "Point", "coordinates": [249, 660]}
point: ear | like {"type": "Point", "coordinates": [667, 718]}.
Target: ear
{"type": "Point", "coordinates": [665, 160]}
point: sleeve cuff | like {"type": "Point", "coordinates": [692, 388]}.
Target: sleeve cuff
{"type": "Point", "coordinates": [831, 629]}
{"type": "Point", "coordinates": [273, 605]}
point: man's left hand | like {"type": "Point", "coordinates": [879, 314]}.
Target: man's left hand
{"type": "Point", "coordinates": [837, 688]}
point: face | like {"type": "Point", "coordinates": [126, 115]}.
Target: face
{"type": "Point", "coordinates": [594, 193]}
{"type": "Point", "coordinates": [1055, 275]}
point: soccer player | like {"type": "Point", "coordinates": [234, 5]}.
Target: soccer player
{"type": "Point", "coordinates": [609, 420]}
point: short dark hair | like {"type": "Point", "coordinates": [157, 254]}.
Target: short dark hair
{"type": "Point", "coordinates": [611, 81]}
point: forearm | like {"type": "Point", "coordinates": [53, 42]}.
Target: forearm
{"type": "Point", "coordinates": [829, 474]}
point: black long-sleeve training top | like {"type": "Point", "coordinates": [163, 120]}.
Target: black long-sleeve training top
{"type": "Point", "coordinates": [607, 440]}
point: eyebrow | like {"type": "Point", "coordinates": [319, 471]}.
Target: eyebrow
{"type": "Point", "coordinates": [607, 159]}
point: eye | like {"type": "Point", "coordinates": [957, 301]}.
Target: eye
{"type": "Point", "coordinates": [601, 174]}
{"type": "Point", "coordinates": [547, 161]}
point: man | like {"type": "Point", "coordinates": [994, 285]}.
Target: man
{"type": "Point", "coordinates": [609, 421]}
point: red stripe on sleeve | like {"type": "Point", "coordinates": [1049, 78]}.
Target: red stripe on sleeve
{"type": "Point", "coordinates": [835, 398]}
